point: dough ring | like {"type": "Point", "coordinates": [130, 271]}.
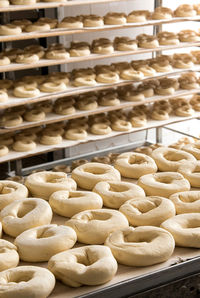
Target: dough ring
{"type": "Point", "coordinates": [43, 184]}
{"type": "Point", "coordinates": [163, 184]}
{"type": "Point", "coordinates": [89, 174]}
{"type": "Point", "coordinates": [50, 138]}
{"type": "Point", "coordinates": [121, 125]}
{"type": "Point", "coordinates": [41, 243]}
{"type": "Point", "coordinates": [100, 129]}
{"type": "Point", "coordinates": [26, 91]}
{"type": "Point", "coordinates": [3, 95]}
{"type": "Point", "coordinates": [185, 228]}
{"type": "Point", "coordinates": [149, 211]}
{"type": "Point", "coordinates": [27, 58]}
{"type": "Point", "coordinates": [10, 29]}
{"type": "Point", "coordinates": [186, 201]}
{"type": "Point", "coordinates": [143, 246]}
{"type": "Point", "coordinates": [134, 165]}
{"type": "Point", "coordinates": [170, 159]}
{"type": "Point", "coordinates": [84, 81]}
{"type": "Point", "coordinates": [9, 257]}
{"type": "Point", "coordinates": [25, 214]}
{"type": "Point", "coordinates": [68, 203]}
{"type": "Point", "coordinates": [11, 191]}
{"type": "Point", "coordinates": [191, 172]}
{"type": "Point", "coordinates": [26, 281]}
{"type": "Point", "coordinates": [24, 145]}
{"type": "Point", "coordinates": [94, 226]}
{"type": "Point", "coordinates": [107, 78]}
{"type": "Point", "coordinates": [76, 134]}
{"type": "Point", "coordinates": [3, 150]}
{"type": "Point", "coordinates": [114, 194]}
{"type": "Point", "coordinates": [51, 87]}
{"type": "Point", "coordinates": [87, 265]}
{"type": "Point", "coordinates": [193, 148]}
{"type": "Point", "coordinates": [34, 115]}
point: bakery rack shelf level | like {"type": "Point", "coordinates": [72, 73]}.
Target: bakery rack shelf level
{"type": "Point", "coordinates": [48, 62]}
{"type": "Point", "coordinates": [12, 155]}
{"type": "Point", "coordinates": [45, 5]}
{"type": "Point", "coordinates": [61, 31]}
{"type": "Point", "coordinates": [14, 101]}
{"type": "Point", "coordinates": [53, 118]}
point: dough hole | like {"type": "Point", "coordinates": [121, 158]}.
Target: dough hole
{"type": "Point", "coordinates": [166, 180]}
{"type": "Point", "coordinates": [24, 209]}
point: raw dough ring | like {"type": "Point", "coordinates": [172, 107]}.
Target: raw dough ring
{"type": "Point", "coordinates": [26, 91]}
{"type": "Point", "coordinates": [185, 228]}
{"type": "Point", "coordinates": [193, 148]}
{"type": "Point", "coordinates": [134, 165]}
{"type": "Point", "coordinates": [25, 214]}
{"type": "Point", "coordinates": [27, 58]}
{"type": "Point", "coordinates": [107, 78]}
{"type": "Point", "coordinates": [170, 159]}
{"type": "Point", "coordinates": [76, 134]}
{"type": "Point", "coordinates": [41, 243]}
{"type": "Point", "coordinates": [4, 3]}
{"type": "Point", "coordinates": [149, 211]}
{"type": "Point", "coordinates": [114, 194]}
{"type": "Point", "coordinates": [191, 172]}
{"type": "Point", "coordinates": [11, 191]}
{"type": "Point", "coordinates": [163, 184]}
{"type": "Point", "coordinates": [143, 246]}
{"type": "Point", "coordinates": [43, 184]}
{"type": "Point", "coordinates": [10, 29]}
{"type": "Point", "coordinates": [3, 95]}
{"type": "Point", "coordinates": [186, 201]}
{"type": "Point", "coordinates": [87, 265]}
{"type": "Point", "coordinates": [9, 257]}
{"type": "Point", "coordinates": [3, 150]}
{"type": "Point", "coordinates": [68, 203]}
{"type": "Point", "coordinates": [100, 129]}
{"type": "Point", "coordinates": [89, 174]}
{"type": "Point", "coordinates": [94, 226]}
{"type": "Point", "coordinates": [24, 145]}
{"type": "Point", "coordinates": [26, 281]}
{"type": "Point", "coordinates": [51, 87]}
{"type": "Point", "coordinates": [121, 125]}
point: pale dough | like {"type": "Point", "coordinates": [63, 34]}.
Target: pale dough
{"type": "Point", "coordinates": [186, 201]}
{"type": "Point", "coordinates": [9, 257]}
{"type": "Point", "coordinates": [87, 265]}
{"type": "Point", "coordinates": [93, 226]}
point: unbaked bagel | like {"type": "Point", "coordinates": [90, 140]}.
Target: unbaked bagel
{"type": "Point", "coordinates": [25, 214]}
{"type": "Point", "coordinates": [114, 194]}
{"type": "Point", "coordinates": [43, 184]}
{"type": "Point", "coordinates": [185, 228]}
{"type": "Point", "coordinates": [89, 174]}
{"type": "Point", "coordinates": [186, 201]}
{"type": "Point", "coordinates": [9, 257]}
{"type": "Point", "coordinates": [68, 203]}
{"type": "Point", "coordinates": [94, 226]}
{"type": "Point", "coordinates": [163, 184]}
{"type": "Point", "coordinates": [39, 244]}
{"type": "Point", "coordinates": [87, 265]}
{"type": "Point", "coordinates": [142, 246]}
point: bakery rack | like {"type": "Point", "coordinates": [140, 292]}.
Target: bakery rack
{"type": "Point", "coordinates": [52, 118]}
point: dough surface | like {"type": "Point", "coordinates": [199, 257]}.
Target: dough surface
{"type": "Point", "coordinates": [9, 257]}
{"type": "Point", "coordinates": [87, 265]}
{"type": "Point", "coordinates": [186, 201]}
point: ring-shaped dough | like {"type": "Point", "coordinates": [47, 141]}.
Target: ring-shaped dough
{"type": "Point", "coordinates": [100, 129]}
{"type": "Point", "coordinates": [41, 243]}
{"type": "Point", "coordinates": [163, 184]}
{"type": "Point", "coordinates": [193, 148]}
{"type": "Point", "coordinates": [76, 134]}
{"type": "Point", "coordinates": [87, 265]}
{"type": "Point", "coordinates": [107, 78]}
{"type": "Point", "coordinates": [142, 246]}
{"type": "Point", "coordinates": [114, 194]}
{"type": "Point", "coordinates": [3, 96]}
{"type": "Point", "coordinates": [43, 184]}
{"type": "Point", "coordinates": [149, 211]}
{"type": "Point", "coordinates": [134, 165]}
{"type": "Point", "coordinates": [89, 174]}
{"type": "Point", "coordinates": [24, 145]}
{"type": "Point", "coordinates": [9, 257]}
{"type": "Point", "coordinates": [186, 201]}
{"type": "Point", "coordinates": [10, 29]}
{"type": "Point", "coordinates": [170, 159]}
{"type": "Point", "coordinates": [26, 91]}
{"type": "Point", "coordinates": [185, 228]}
{"type": "Point", "coordinates": [3, 150]}
{"type": "Point", "coordinates": [26, 281]}
{"type": "Point", "coordinates": [25, 214]}
{"type": "Point", "coordinates": [94, 226]}
{"type": "Point", "coordinates": [191, 172]}
{"type": "Point", "coordinates": [51, 87]}
{"type": "Point", "coordinates": [68, 203]}
{"type": "Point", "coordinates": [11, 191]}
